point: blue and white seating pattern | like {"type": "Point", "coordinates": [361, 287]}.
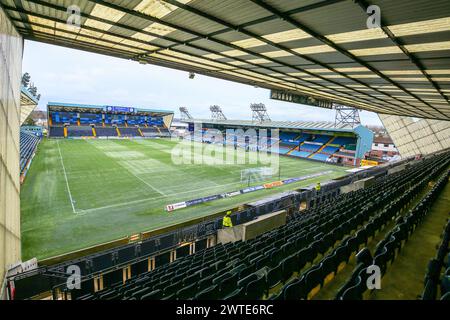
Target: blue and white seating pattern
{"type": "Point", "coordinates": [310, 147]}
{"type": "Point", "coordinates": [302, 154]}
{"type": "Point", "coordinates": [322, 139]}
{"type": "Point", "coordinates": [330, 150]}
{"type": "Point", "coordinates": [289, 138]}
{"type": "Point", "coordinates": [320, 157]}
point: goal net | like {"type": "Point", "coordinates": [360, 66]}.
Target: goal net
{"type": "Point", "coordinates": [256, 174]}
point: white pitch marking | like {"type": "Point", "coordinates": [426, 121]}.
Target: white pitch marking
{"type": "Point", "coordinates": [152, 199]}
{"type": "Point", "coordinates": [146, 183]}
{"type": "Point", "coordinates": [65, 176]}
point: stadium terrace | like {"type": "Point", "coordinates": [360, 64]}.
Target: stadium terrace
{"type": "Point", "coordinates": [321, 141]}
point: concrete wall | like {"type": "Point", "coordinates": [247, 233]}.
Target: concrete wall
{"type": "Point", "coordinates": [252, 229]}
{"type": "Point", "coordinates": [360, 184]}
{"type": "Point", "coordinates": [413, 137]}
{"type": "Point", "coordinates": [11, 47]}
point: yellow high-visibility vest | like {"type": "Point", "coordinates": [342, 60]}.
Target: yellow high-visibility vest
{"type": "Point", "coordinates": [227, 221]}
{"type": "Point", "coordinates": [318, 187]}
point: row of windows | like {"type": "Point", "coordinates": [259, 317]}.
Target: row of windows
{"type": "Point", "coordinates": [382, 144]}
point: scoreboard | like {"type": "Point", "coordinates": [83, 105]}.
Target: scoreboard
{"type": "Point", "coordinates": [301, 99]}
{"type": "Point", "coordinates": [119, 109]}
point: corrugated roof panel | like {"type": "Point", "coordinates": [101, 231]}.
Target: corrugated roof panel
{"type": "Point", "coordinates": [422, 26]}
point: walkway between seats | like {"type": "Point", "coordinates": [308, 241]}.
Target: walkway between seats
{"type": "Point", "coordinates": [331, 289]}
{"type": "Point", "coordinates": [404, 278]}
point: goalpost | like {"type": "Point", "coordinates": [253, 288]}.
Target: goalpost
{"type": "Point", "coordinates": [251, 175]}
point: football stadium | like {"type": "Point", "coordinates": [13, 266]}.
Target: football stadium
{"type": "Point", "coordinates": [127, 202]}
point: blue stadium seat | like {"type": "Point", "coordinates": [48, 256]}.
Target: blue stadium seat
{"type": "Point", "coordinates": [341, 141]}
{"type": "Point", "coordinates": [309, 147]}
{"type": "Point", "coordinates": [320, 156]}
{"type": "Point", "coordinates": [330, 149]}
{"type": "Point", "coordinates": [28, 144]}
{"type": "Point", "coordinates": [322, 139]}
{"type": "Point", "coordinates": [82, 131]}
{"type": "Point", "coordinates": [302, 154]}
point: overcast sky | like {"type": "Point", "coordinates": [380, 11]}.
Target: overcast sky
{"type": "Point", "coordinates": [74, 76]}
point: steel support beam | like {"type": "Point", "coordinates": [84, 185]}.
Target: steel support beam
{"type": "Point", "coordinates": [283, 48]}
{"type": "Point", "coordinates": [343, 94]}
{"type": "Point", "coordinates": [330, 43]}
{"type": "Point", "coordinates": [399, 43]}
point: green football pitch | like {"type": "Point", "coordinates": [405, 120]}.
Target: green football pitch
{"type": "Point", "coordinates": [79, 193]}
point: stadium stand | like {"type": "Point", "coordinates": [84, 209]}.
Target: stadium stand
{"type": "Point", "coordinates": [329, 150]}
{"type": "Point", "coordinates": [346, 153]}
{"type": "Point", "coordinates": [322, 139]}
{"type": "Point", "coordinates": [301, 256]}
{"type": "Point", "coordinates": [28, 144]}
{"type": "Point", "coordinates": [130, 132]}
{"type": "Point", "coordinates": [318, 141]}
{"type": "Point", "coordinates": [302, 154]}
{"type": "Point", "coordinates": [164, 132]}
{"type": "Point", "coordinates": [151, 132]}
{"type": "Point", "coordinates": [388, 249]}
{"type": "Point", "coordinates": [310, 147]}
{"type": "Point", "coordinates": [433, 273]}
{"type": "Point", "coordinates": [77, 120]}
{"type": "Point", "coordinates": [56, 131]}
{"type": "Point", "coordinates": [82, 131]}
{"type": "Point", "coordinates": [106, 132]}
{"type": "Point", "coordinates": [320, 157]}
{"type": "Point", "coordinates": [318, 147]}
{"type": "Point", "coordinates": [342, 141]}
{"type": "Point", "coordinates": [289, 138]}
{"type": "Point", "coordinates": [283, 148]}
{"type": "Point", "coordinates": [90, 118]}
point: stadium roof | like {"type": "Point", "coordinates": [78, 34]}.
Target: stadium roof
{"type": "Point", "coordinates": [308, 125]}
{"type": "Point", "coordinates": [323, 49]}
{"type": "Point", "coordinates": [26, 98]}
{"type": "Point", "coordinates": [92, 106]}
{"type": "Point", "coordinates": [27, 104]}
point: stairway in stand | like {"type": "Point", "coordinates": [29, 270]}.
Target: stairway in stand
{"type": "Point", "coordinates": [322, 147]}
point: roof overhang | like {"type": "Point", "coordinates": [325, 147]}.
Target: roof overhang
{"type": "Point", "coordinates": [286, 125]}
{"type": "Point", "coordinates": [74, 107]}
{"type": "Point", "coordinates": [321, 49]}
{"type": "Point", "coordinates": [28, 103]}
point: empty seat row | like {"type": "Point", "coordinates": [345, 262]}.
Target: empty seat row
{"type": "Point", "coordinates": [248, 270]}
{"type": "Point", "coordinates": [107, 131]}
{"type": "Point", "coordinates": [387, 249]}
{"type": "Point", "coordinates": [433, 274]}
{"type": "Point", "coordinates": [28, 145]}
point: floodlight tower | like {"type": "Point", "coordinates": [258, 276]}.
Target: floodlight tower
{"type": "Point", "coordinates": [216, 113]}
{"type": "Point", "coordinates": [346, 116]}
{"type": "Point", "coordinates": [185, 115]}
{"type": "Point", "coordinates": [259, 112]}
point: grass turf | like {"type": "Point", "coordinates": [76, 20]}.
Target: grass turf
{"type": "Point", "coordinates": [121, 187]}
